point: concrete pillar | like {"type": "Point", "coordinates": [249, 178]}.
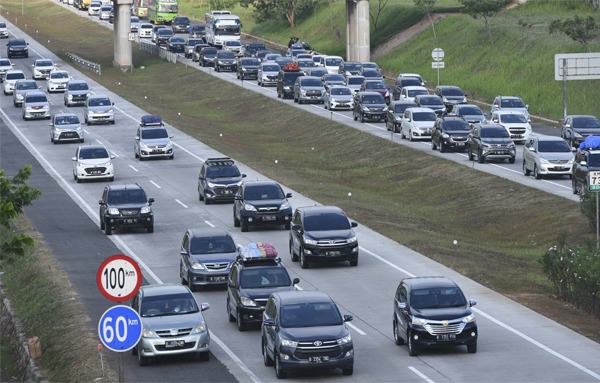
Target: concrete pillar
{"type": "Point", "coordinates": [122, 27]}
{"type": "Point", "coordinates": [358, 38]}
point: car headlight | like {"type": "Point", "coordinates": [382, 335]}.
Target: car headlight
{"type": "Point", "coordinates": [385, 108]}
{"type": "Point", "coordinates": [577, 135]}
{"type": "Point", "coordinates": [345, 340]}
{"type": "Point", "coordinates": [544, 161]}
{"type": "Point", "coordinates": [197, 266]}
{"type": "Point", "coordinates": [249, 207]}
{"type": "Point", "coordinates": [418, 321]}
{"type": "Point", "coordinates": [511, 147]}
{"type": "Point", "coordinates": [146, 210]}
{"type": "Point", "coordinates": [464, 99]}
{"type": "Point", "coordinates": [210, 184]}
{"type": "Point", "coordinates": [107, 164]}
{"type": "Point", "coordinates": [445, 135]}
{"type": "Point", "coordinates": [309, 241]}
{"type": "Point", "coordinates": [351, 239]}
{"type": "Point", "coordinates": [247, 302]}
{"type": "Point", "coordinates": [571, 161]}
{"type": "Point", "coordinates": [113, 211]}
{"type": "Point", "coordinates": [286, 87]}
{"type": "Point", "coordinates": [199, 329]}
{"type": "Point", "coordinates": [487, 146]}
{"type": "Point", "coordinates": [444, 99]}
{"type": "Point", "coordinates": [243, 69]}
{"type": "Point", "coordinates": [288, 343]}
{"type": "Point", "coordinates": [147, 333]}
{"type": "Point", "coordinates": [284, 205]}
{"type": "Point", "coordinates": [387, 94]}
{"type": "Point", "coordinates": [110, 111]}
{"type": "Point", "coordinates": [398, 118]}
{"type": "Point", "coordinates": [469, 319]}
{"type": "Point", "coordinates": [365, 109]}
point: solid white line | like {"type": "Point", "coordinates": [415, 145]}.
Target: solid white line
{"type": "Point", "coordinates": [421, 375]}
{"type": "Point", "coordinates": [155, 184]}
{"type": "Point", "coordinates": [209, 224]}
{"type": "Point", "coordinates": [181, 203]}
{"type": "Point", "coordinates": [131, 166]}
{"type": "Point", "coordinates": [387, 262]}
{"type": "Point", "coordinates": [234, 357]}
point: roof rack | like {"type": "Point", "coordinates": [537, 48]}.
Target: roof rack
{"type": "Point", "coordinates": [219, 161]}
{"type": "Point", "coordinates": [259, 252]}
{"type": "Point", "coordinates": [149, 120]}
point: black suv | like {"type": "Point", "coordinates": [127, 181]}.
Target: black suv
{"type": "Point", "coordinates": [450, 132]}
{"type": "Point", "coordinates": [259, 203]}
{"type": "Point", "coordinates": [585, 160]}
{"type": "Point", "coordinates": [369, 106]}
{"type": "Point", "coordinates": [304, 330]}
{"type": "Point", "coordinates": [395, 112]}
{"type": "Point", "coordinates": [206, 56]}
{"type": "Point", "coordinates": [125, 206]}
{"type": "Point", "coordinates": [450, 95]}
{"type": "Point", "coordinates": [433, 311]}
{"type": "Point", "coordinates": [322, 234]}
{"type": "Point", "coordinates": [17, 47]}
{"type": "Point", "coordinates": [219, 180]}
{"type": "Point", "coordinates": [285, 82]}
{"type": "Point", "coordinates": [491, 141]}
{"type": "Point", "coordinates": [256, 273]}
{"type": "Point", "coordinates": [247, 67]}
{"type": "Point", "coordinates": [163, 35]}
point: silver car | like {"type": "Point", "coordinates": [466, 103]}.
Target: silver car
{"type": "Point", "coordinates": [22, 87]}
{"type": "Point", "coordinates": [547, 155]}
{"type": "Point", "coordinates": [338, 97]}
{"type": "Point", "coordinates": [35, 105]}
{"type": "Point", "coordinates": [76, 92]}
{"type": "Point", "coordinates": [354, 82]}
{"type": "Point", "coordinates": [267, 74]}
{"type": "Point", "coordinates": [172, 323]}
{"type": "Point", "coordinates": [308, 89]}
{"type": "Point", "coordinates": [65, 127]}
{"type": "Point", "coordinates": [153, 142]}
{"type": "Point", "coordinates": [98, 109]}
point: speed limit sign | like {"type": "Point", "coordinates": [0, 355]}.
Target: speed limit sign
{"type": "Point", "coordinates": [119, 278]}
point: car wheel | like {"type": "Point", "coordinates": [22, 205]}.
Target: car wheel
{"type": "Point", "coordinates": [193, 287]}
{"type": "Point", "coordinates": [136, 154]}
{"type": "Point", "coordinates": [354, 116]}
{"type": "Point", "coordinates": [402, 135]}
{"type": "Point", "coordinates": [526, 172]}
{"type": "Point", "coordinates": [396, 128]}
{"type": "Point", "coordinates": [279, 372]}
{"type": "Point", "coordinates": [433, 145]}
{"type": "Point", "coordinates": [244, 226]}
{"type": "Point", "coordinates": [287, 226]}
{"type": "Point", "coordinates": [472, 348]}
{"type": "Point", "coordinates": [480, 158]}
{"type": "Point", "coordinates": [206, 201]}
{"type": "Point", "coordinates": [111, 179]}
{"type": "Point", "coordinates": [150, 228]}
{"type": "Point", "coordinates": [240, 324]}
{"type": "Point", "coordinates": [536, 173]}
{"type": "Point", "coordinates": [107, 229]}
{"type": "Point", "coordinates": [362, 117]}
{"type": "Point", "coordinates": [101, 224]}
{"type": "Point", "coordinates": [413, 350]}
{"type": "Point", "coordinates": [348, 371]}
{"type": "Point", "coordinates": [470, 154]}
{"type": "Point", "coordinates": [354, 262]}
{"type": "Point", "coordinates": [236, 221]}
{"type": "Point", "coordinates": [181, 274]}
{"type": "Point", "coordinates": [442, 147]}
{"type": "Point", "coordinates": [292, 253]}
{"type": "Point", "coordinates": [112, 122]}
{"type": "Point", "coordinates": [397, 338]}
{"type": "Point", "coordinates": [511, 160]}
{"type": "Point", "coordinates": [82, 140]}
{"type": "Point", "coordinates": [303, 262]}
{"type": "Point", "coordinates": [204, 356]}
{"type": "Point", "coordinates": [142, 360]}
{"type": "Point", "coordinates": [266, 358]}
{"type": "Point", "coordinates": [410, 136]}
{"type": "Point", "coordinates": [230, 317]}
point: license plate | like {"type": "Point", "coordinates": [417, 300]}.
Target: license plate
{"type": "Point", "coordinates": [332, 253]}
{"type": "Point", "coordinates": [460, 144]}
{"type": "Point", "coordinates": [174, 343]}
{"type": "Point", "coordinates": [226, 191]}
{"type": "Point", "coordinates": [156, 151]}
{"type": "Point", "coordinates": [218, 279]}
{"type": "Point", "coordinates": [269, 218]}
{"type": "Point", "coordinates": [95, 172]}
{"type": "Point", "coordinates": [446, 337]}
{"type": "Point", "coordinates": [318, 359]}
{"type": "Point", "coordinates": [131, 220]}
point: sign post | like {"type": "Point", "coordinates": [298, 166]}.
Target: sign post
{"type": "Point", "coordinates": [437, 55]}
{"type": "Point", "coordinates": [594, 186]}
{"type": "Point", "coordinates": [575, 66]}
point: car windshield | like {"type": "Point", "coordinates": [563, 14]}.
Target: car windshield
{"type": "Point", "coordinates": [165, 32]}
{"type": "Point", "coordinates": [44, 63]}
{"type": "Point", "coordinates": [310, 315]}
{"type": "Point", "coordinates": [212, 245]}
{"type": "Point", "coordinates": [149, 134]}
{"type": "Point", "coordinates": [437, 298]}
{"type": "Point", "coordinates": [91, 153]}
{"type": "Point", "coordinates": [26, 85]}
{"type": "Point", "coordinates": [400, 108]}
{"type": "Point", "coordinates": [553, 147]}
{"type": "Point", "coordinates": [59, 75]}
{"type": "Point", "coordinates": [222, 171]}
{"type": "Point", "coordinates": [325, 222]}
{"type": "Point", "coordinates": [374, 85]}
{"type": "Point", "coordinates": [355, 80]}
{"type": "Point", "coordinates": [513, 118]}
{"type": "Point", "coordinates": [593, 160]}
{"type": "Point", "coordinates": [373, 99]}
{"type": "Point", "coordinates": [512, 103]}
{"type": "Point", "coordinates": [175, 304]}
{"type": "Point", "coordinates": [457, 126]}
{"type": "Point", "coordinates": [78, 86]}
{"type": "Point", "coordinates": [494, 133]}
{"type": "Point", "coordinates": [194, 42]}
{"type": "Point", "coordinates": [99, 102]}
{"type": "Point", "coordinates": [226, 55]}
{"type": "Point", "coordinates": [341, 92]}
{"type": "Point", "coordinates": [270, 68]}
{"type": "Point", "coordinates": [586, 122]}
{"type": "Point", "coordinates": [66, 120]}
{"type": "Point", "coordinates": [452, 92]}
{"type": "Point", "coordinates": [250, 62]}
{"type": "Point", "coordinates": [430, 101]}
{"type": "Point", "coordinates": [135, 19]}
{"type": "Point", "coordinates": [333, 62]}
{"type": "Point", "coordinates": [416, 92]}
{"type": "Point", "coordinates": [424, 116]}
{"type": "Point", "coordinates": [263, 192]}
{"type": "Point", "coordinates": [311, 82]}
{"type": "Point", "coordinates": [127, 196]}
{"type": "Point", "coordinates": [260, 277]}
{"type": "Point", "coordinates": [471, 111]}
{"type": "Point", "coordinates": [233, 44]}
{"type": "Point", "coordinates": [369, 65]}
{"type": "Point", "coordinates": [2, 25]}
{"type": "Point", "coordinates": [177, 40]}
{"type": "Point", "coordinates": [40, 98]}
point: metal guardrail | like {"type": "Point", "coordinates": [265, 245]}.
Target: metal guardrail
{"type": "Point", "coordinates": [158, 51]}
{"type": "Point", "coordinates": [85, 64]}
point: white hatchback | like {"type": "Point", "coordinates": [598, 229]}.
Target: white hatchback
{"type": "Point", "coordinates": [92, 162]}
{"type": "Point", "coordinates": [417, 123]}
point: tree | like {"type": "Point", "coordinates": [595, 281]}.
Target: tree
{"type": "Point", "coordinates": [581, 30]}
{"type": "Point", "coordinates": [375, 18]}
{"type": "Point", "coordinates": [265, 10]}
{"type": "Point", "coordinates": [486, 9]}
{"type": "Point", "coordinates": [221, 4]}
{"type": "Point", "coordinates": [427, 5]}
{"type": "Point", "coordinates": [15, 194]}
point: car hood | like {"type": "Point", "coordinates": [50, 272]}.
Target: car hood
{"type": "Point", "coordinates": [446, 313]}
{"type": "Point", "coordinates": [314, 333]}
{"type": "Point", "coordinates": [566, 156]}
{"type": "Point", "coordinates": [264, 292]}
{"type": "Point", "coordinates": [341, 97]}
{"type": "Point", "coordinates": [473, 117]}
{"type": "Point", "coordinates": [94, 161]}
{"type": "Point", "coordinates": [319, 88]}
{"type": "Point", "coordinates": [329, 234]}
{"type": "Point", "coordinates": [79, 92]}
{"type": "Point", "coordinates": [497, 141]}
{"type": "Point", "coordinates": [266, 202]}
{"type": "Point", "coordinates": [128, 205]}
{"type": "Point", "coordinates": [214, 258]}
{"type": "Point", "coordinates": [156, 141]}
{"type": "Point", "coordinates": [227, 61]}
{"type": "Point", "coordinates": [250, 67]}
{"type": "Point", "coordinates": [375, 106]}
{"type": "Point", "coordinates": [587, 131]}
{"type": "Point", "coordinates": [224, 180]}
{"type": "Point", "coordinates": [166, 322]}
{"type": "Point", "coordinates": [37, 105]}
{"type": "Point", "coordinates": [99, 109]}
{"type": "Point", "coordinates": [455, 98]}
{"type": "Point", "coordinates": [457, 133]}
{"type": "Point", "coordinates": [423, 124]}
{"type": "Point", "coordinates": [67, 127]}
{"type": "Point", "coordinates": [270, 73]}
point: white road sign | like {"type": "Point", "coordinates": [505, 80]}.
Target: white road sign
{"type": "Point", "coordinates": [438, 65]}
{"type": "Point", "coordinates": [119, 277]}
{"type": "Point", "coordinates": [437, 54]}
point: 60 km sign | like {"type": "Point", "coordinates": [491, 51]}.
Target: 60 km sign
{"type": "Point", "coordinates": [120, 328]}
{"type": "Point", "coordinates": [119, 278]}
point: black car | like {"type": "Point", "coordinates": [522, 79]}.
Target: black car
{"type": "Point", "coordinates": [247, 68]}
{"type": "Point", "coordinates": [219, 180]}
{"type": "Point", "coordinates": [402, 82]}
{"type": "Point", "coordinates": [256, 273]}
{"type": "Point", "coordinates": [322, 234]}
{"type": "Point", "coordinates": [250, 49]}
{"type": "Point", "coordinates": [176, 44]}
{"type": "Point", "coordinates": [207, 56]}
{"type": "Point", "coordinates": [180, 24]}
{"type": "Point", "coordinates": [450, 95]}
{"type": "Point", "coordinates": [395, 112]}
{"type": "Point", "coordinates": [17, 48]}
{"type": "Point", "coordinates": [432, 102]}
{"type": "Point", "coordinates": [225, 60]}
{"type": "Point", "coordinates": [196, 30]}
{"type": "Point", "coordinates": [369, 106]}
{"type": "Point", "coordinates": [190, 45]}
{"type": "Point", "coordinates": [491, 141]}
{"type": "Point", "coordinates": [586, 160]}
{"type": "Point", "coordinates": [261, 203]}
{"type": "Point", "coordinates": [576, 128]}
{"type": "Point", "coordinates": [450, 132]}
{"type": "Point", "coordinates": [433, 311]}
{"type": "Point", "coordinates": [163, 35]}
{"type": "Point", "coordinates": [285, 82]}
{"type": "Point", "coordinates": [348, 68]}
{"type": "Point", "coordinates": [206, 257]}
{"type": "Point", "coordinates": [125, 206]}
{"type": "Point", "coordinates": [304, 330]}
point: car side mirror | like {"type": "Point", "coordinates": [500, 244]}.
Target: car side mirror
{"type": "Point", "coordinates": [295, 281]}
{"type": "Point", "coordinates": [288, 195]}
{"type": "Point", "coordinates": [531, 149]}
{"type": "Point", "coordinates": [51, 124]}
{"type": "Point", "coordinates": [401, 305]}
{"type": "Point", "coordinates": [231, 284]}
{"type": "Point", "coordinates": [269, 322]}
{"type": "Point", "coordinates": [150, 201]}
{"type": "Point", "coordinates": [495, 120]}
{"type": "Point", "coordinates": [243, 175]}
{"type": "Point", "coordinates": [583, 163]}
{"type": "Point", "coordinates": [112, 156]}
{"type": "Point", "coordinates": [527, 107]}
{"type": "Point", "coordinates": [353, 224]}
{"type": "Point", "coordinates": [183, 251]}
{"type": "Point", "coordinates": [137, 138]}
{"type": "Point", "coordinates": [296, 227]}
{"type": "Point", "coordinates": [100, 202]}
{"type": "Point", "coordinates": [472, 302]}
{"type": "Point", "coordinates": [204, 306]}
{"type": "Point", "coordinates": [73, 158]}
{"type": "Point", "coordinates": [348, 318]}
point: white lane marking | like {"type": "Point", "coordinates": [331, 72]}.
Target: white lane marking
{"type": "Point", "coordinates": [387, 262]}
{"type": "Point", "coordinates": [181, 203]}
{"type": "Point", "coordinates": [86, 131]}
{"type": "Point", "coordinates": [155, 184]}
{"type": "Point", "coordinates": [134, 169]}
{"type": "Point", "coordinates": [421, 375]}
{"type": "Point", "coordinates": [234, 357]}
{"type": "Point", "coordinates": [210, 224]}
{"type": "Point", "coordinates": [98, 141]}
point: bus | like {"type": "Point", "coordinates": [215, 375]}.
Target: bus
{"type": "Point", "coordinates": [162, 11]}
{"type": "Point", "coordinates": [222, 26]}
{"type": "Point", "coordinates": [140, 8]}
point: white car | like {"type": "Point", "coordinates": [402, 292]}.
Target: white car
{"type": "Point", "coordinates": [354, 82]}
{"type": "Point", "coordinates": [94, 8]}
{"type": "Point", "coordinates": [233, 46]}
{"type": "Point", "coordinates": [3, 30]}
{"type": "Point", "coordinates": [512, 103]}
{"type": "Point", "coordinates": [145, 30]}
{"type": "Point", "coordinates": [516, 123]}
{"type": "Point", "coordinates": [93, 162]}
{"type": "Point", "coordinates": [105, 11]}
{"type": "Point", "coordinates": [5, 65]}
{"type": "Point", "coordinates": [331, 63]}
{"type": "Point", "coordinates": [10, 78]}
{"type": "Point", "coordinates": [417, 123]}
{"type": "Point", "coordinates": [547, 155]}
{"type": "Point", "coordinates": [410, 92]}
{"type": "Point", "coordinates": [57, 81]}
{"type": "Point", "coordinates": [42, 69]}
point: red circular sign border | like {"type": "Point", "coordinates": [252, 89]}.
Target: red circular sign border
{"type": "Point", "coordinates": [117, 257]}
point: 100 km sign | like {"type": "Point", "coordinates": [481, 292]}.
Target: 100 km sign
{"type": "Point", "coordinates": [119, 277]}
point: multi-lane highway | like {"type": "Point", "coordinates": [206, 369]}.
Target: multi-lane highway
{"type": "Point", "coordinates": [515, 344]}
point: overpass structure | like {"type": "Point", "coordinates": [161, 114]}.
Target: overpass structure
{"type": "Point", "coordinates": [122, 27]}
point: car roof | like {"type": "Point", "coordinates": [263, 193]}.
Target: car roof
{"type": "Point", "coordinates": [403, 101]}
{"type": "Point", "coordinates": [548, 138]}
{"type": "Point", "coordinates": [318, 210]}
{"type": "Point", "coordinates": [209, 232]}
{"type": "Point", "coordinates": [77, 82]}
{"type": "Point", "coordinates": [414, 87]}
{"type": "Point", "coordinates": [68, 114]}
{"type": "Point", "coordinates": [259, 183]}
{"type": "Point", "coordinates": [428, 282]}
{"type": "Point", "coordinates": [418, 109]}
{"type": "Point", "coordinates": [302, 296]}
{"type": "Point", "coordinates": [92, 147]}
{"type": "Point", "coordinates": [368, 93]}
{"type": "Point", "coordinates": [163, 289]}
{"type": "Point", "coordinates": [124, 187]}
{"type": "Point", "coordinates": [102, 96]}
{"type": "Point", "coordinates": [508, 112]}
{"type": "Point", "coordinates": [443, 87]}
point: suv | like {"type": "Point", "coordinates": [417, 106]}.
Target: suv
{"type": "Point", "coordinates": [450, 132]}
{"type": "Point", "coordinates": [515, 122]}
{"type": "Point", "coordinates": [369, 106]}
{"type": "Point", "coordinates": [35, 105]}
{"type": "Point", "coordinates": [576, 128]}
{"type": "Point", "coordinates": [22, 87]}
{"type": "Point", "coordinates": [547, 155]}
{"type": "Point", "coordinates": [190, 46]}
{"type": "Point", "coordinates": [219, 180]}
{"type": "Point", "coordinates": [176, 44]}
{"type": "Point", "coordinates": [259, 203]}
{"type": "Point", "coordinates": [206, 56]}
{"type": "Point", "coordinates": [256, 273]}
{"type": "Point", "coordinates": [322, 234]}
{"type": "Point", "coordinates": [491, 141]}
{"type": "Point", "coordinates": [180, 24]}
{"type": "Point", "coordinates": [92, 162]}
{"type": "Point", "coordinates": [586, 160]}
{"type": "Point", "coordinates": [172, 321]}
{"type": "Point", "coordinates": [450, 95]}
{"type": "Point", "coordinates": [98, 109]}
{"type": "Point", "coordinates": [206, 257]}
{"type": "Point", "coordinates": [125, 206]}
{"type": "Point", "coordinates": [401, 82]}
{"type": "Point", "coordinates": [469, 112]}
{"type": "Point", "coordinates": [247, 67]}
{"type": "Point", "coordinates": [304, 330]}
{"type": "Point", "coordinates": [250, 49]}
{"type": "Point", "coordinates": [285, 82]}
{"type": "Point", "coordinates": [511, 103]}
{"type": "Point", "coordinates": [308, 89]}
{"type": "Point", "coordinates": [42, 69]}
{"type": "Point", "coordinates": [393, 118]}
{"type": "Point", "coordinates": [163, 35]}
{"type": "Point", "coordinates": [76, 92]}
{"type": "Point", "coordinates": [225, 60]}
{"type": "Point", "coordinates": [17, 47]}
{"type": "Point", "coordinates": [152, 140]}
{"type": "Point", "coordinates": [433, 311]}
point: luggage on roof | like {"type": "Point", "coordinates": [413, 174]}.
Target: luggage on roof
{"type": "Point", "coordinates": [590, 142]}
{"type": "Point", "coordinates": [151, 120]}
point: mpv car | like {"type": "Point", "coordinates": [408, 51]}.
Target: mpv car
{"type": "Point", "coordinates": [125, 206]}
{"type": "Point", "coordinates": [206, 256]}
{"type": "Point", "coordinates": [163, 35]}
{"type": "Point", "coordinates": [247, 68]}
{"type": "Point", "coordinates": [92, 162]}
{"type": "Point", "coordinates": [57, 81]}
{"type": "Point", "coordinates": [586, 160]}
{"type": "Point", "coordinates": [338, 97]}
{"type": "Point", "coordinates": [42, 69]}
{"type": "Point", "coordinates": [469, 112]}
{"type": "Point", "coordinates": [207, 56]}
{"type": "Point", "coordinates": [285, 82]}
{"type": "Point", "coordinates": [433, 311]}
{"type": "Point", "coordinates": [491, 141]}
{"type": "Point", "coordinates": [450, 132]}
{"type": "Point", "coordinates": [308, 89]}
{"type": "Point", "coordinates": [219, 180]}
{"type": "Point", "coordinates": [190, 45]}
{"type": "Point", "coordinates": [369, 106]}
{"type": "Point", "coordinates": [322, 234]}
{"type": "Point", "coordinates": [547, 155]}
{"type": "Point", "coordinates": [76, 92]}
{"type": "Point", "coordinates": [153, 142]}
{"type": "Point", "coordinates": [261, 203]}
{"type": "Point", "coordinates": [267, 74]}
{"type": "Point", "coordinates": [225, 60]}
{"type": "Point", "coordinates": [172, 321]}
{"type": "Point", "coordinates": [180, 24]}
{"type": "Point", "coordinates": [176, 44]}
{"type": "Point", "coordinates": [5, 65]}
{"type": "Point", "coordinates": [65, 127]}
{"type": "Point", "coordinates": [98, 109]}
{"type": "Point", "coordinates": [576, 128]}
{"type": "Point", "coordinates": [450, 95]}
{"type": "Point", "coordinates": [256, 273]}
{"type": "Point", "coordinates": [376, 86]}
{"type": "Point", "coordinates": [304, 330]}
{"type": "Point", "coordinates": [35, 105]}
{"type": "Point", "coordinates": [3, 30]}
{"type": "Point", "coordinates": [17, 48]}
{"type": "Point", "coordinates": [22, 87]}
{"type": "Point", "coordinates": [432, 102]}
